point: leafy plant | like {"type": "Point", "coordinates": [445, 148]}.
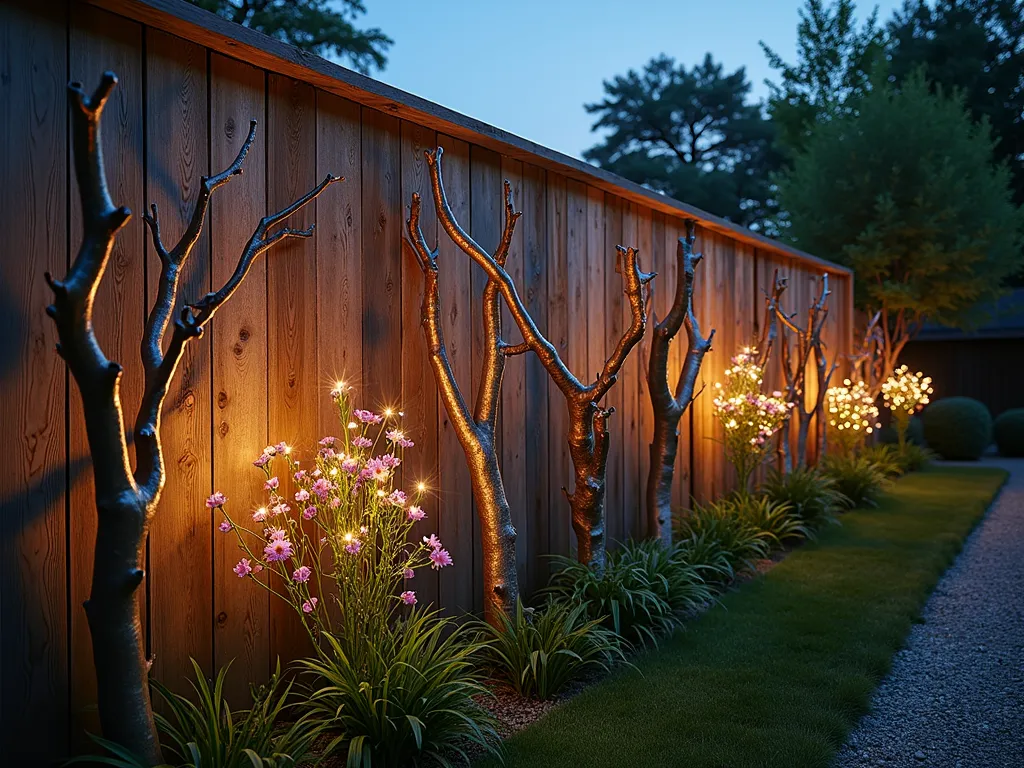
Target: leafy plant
{"type": "Point", "coordinates": [1009, 432]}
{"type": "Point", "coordinates": [913, 457]}
{"type": "Point", "coordinates": [810, 493]}
{"type": "Point", "coordinates": [624, 597]}
{"type": "Point", "coordinates": [858, 478]}
{"type": "Point", "coordinates": [886, 457]}
{"type": "Point", "coordinates": [411, 701]}
{"type": "Point", "coordinates": [673, 578]}
{"type": "Point", "coordinates": [704, 551]}
{"type": "Point", "coordinates": [716, 525]}
{"type": "Point", "coordinates": [958, 428]}
{"type": "Point", "coordinates": [208, 735]}
{"type": "Point", "coordinates": [777, 520]}
{"type": "Point", "coordinates": [540, 652]}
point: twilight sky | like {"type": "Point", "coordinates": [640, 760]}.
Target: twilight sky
{"type": "Point", "coordinates": [529, 66]}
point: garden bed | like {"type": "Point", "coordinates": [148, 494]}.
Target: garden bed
{"type": "Point", "coordinates": [780, 671]}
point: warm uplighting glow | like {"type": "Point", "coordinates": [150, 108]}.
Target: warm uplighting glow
{"type": "Point", "coordinates": [852, 412]}
{"type": "Point", "coordinates": [905, 391]}
{"type": "Point", "coordinates": [388, 412]}
{"type": "Point", "coordinates": [421, 487]}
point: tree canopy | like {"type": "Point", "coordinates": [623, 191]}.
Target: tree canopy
{"type": "Point", "coordinates": [323, 27]}
{"type": "Point", "coordinates": [906, 193]}
{"type": "Point", "coordinates": [691, 134]}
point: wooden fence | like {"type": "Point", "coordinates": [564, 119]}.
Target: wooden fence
{"type": "Point", "coordinates": [344, 304]}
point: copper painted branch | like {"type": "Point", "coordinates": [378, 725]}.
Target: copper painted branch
{"type": "Point", "coordinates": [588, 437]}
{"type": "Point", "coordinates": [668, 408]}
{"type": "Point", "coordinates": [770, 328]}
{"type": "Point", "coordinates": [476, 433]}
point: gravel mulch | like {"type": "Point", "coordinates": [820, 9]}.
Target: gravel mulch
{"type": "Point", "coordinates": [955, 695]}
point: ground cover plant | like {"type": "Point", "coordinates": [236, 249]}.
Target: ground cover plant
{"type": "Point", "coordinates": [780, 672]}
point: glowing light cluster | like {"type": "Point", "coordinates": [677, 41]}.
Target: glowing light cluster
{"type": "Point", "coordinates": [906, 391]}
{"type": "Point", "coordinates": [749, 416]}
{"type": "Point", "coordinates": [852, 412]}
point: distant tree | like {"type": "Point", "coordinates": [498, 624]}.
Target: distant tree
{"type": "Point", "coordinates": [323, 27]}
{"type": "Point", "coordinates": [832, 71]}
{"type": "Point", "coordinates": [976, 46]}
{"type": "Point", "coordinates": [690, 134]}
{"type": "Point", "coordinates": [907, 194]}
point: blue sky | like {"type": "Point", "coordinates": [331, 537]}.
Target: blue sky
{"type": "Point", "coordinates": [529, 66]}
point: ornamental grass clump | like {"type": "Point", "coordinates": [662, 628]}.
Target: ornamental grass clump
{"type": "Point", "coordinates": [812, 496]}
{"type": "Point", "coordinates": [339, 545]}
{"type": "Point", "coordinates": [749, 416]}
{"type": "Point", "coordinates": [714, 534]}
{"type": "Point", "coordinates": [904, 394]}
{"type": "Point", "coordinates": [852, 414]}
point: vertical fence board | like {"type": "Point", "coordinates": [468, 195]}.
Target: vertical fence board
{"type": "Point", "coordinates": [455, 512]}
{"type": "Point", "coordinates": [239, 333]}
{"type": "Point", "coordinates": [613, 325]}
{"type": "Point", "coordinates": [101, 41]}
{"type": "Point", "coordinates": [419, 390]}
{"type": "Point", "coordinates": [33, 559]}
{"type": "Point", "coordinates": [293, 388]}
{"type": "Point", "coordinates": [560, 474]}
{"type": "Point", "coordinates": [181, 608]}
{"type": "Point", "coordinates": [539, 513]}
{"type": "Point", "coordinates": [629, 385]}
{"type": "Point", "coordinates": [644, 411]}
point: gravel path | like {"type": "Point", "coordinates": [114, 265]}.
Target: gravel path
{"type": "Point", "coordinates": [955, 695]}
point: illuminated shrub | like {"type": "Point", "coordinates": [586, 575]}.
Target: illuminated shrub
{"type": "Point", "coordinates": [750, 417]}
{"type": "Point", "coordinates": [904, 394]}
{"type": "Point", "coordinates": [958, 428]}
{"type": "Point", "coordinates": [852, 413]}
{"type": "Point", "coordinates": [1009, 432]}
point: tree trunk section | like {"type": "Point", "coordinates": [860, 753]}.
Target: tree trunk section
{"type": "Point", "coordinates": [497, 536]}
{"type": "Point", "coordinates": [664, 446]}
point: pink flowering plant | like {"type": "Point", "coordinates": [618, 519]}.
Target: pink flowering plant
{"type": "Point", "coordinates": [750, 417]}
{"type": "Point", "coordinates": [341, 544]}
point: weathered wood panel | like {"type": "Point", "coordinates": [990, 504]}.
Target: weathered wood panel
{"type": "Point", "coordinates": [342, 305]}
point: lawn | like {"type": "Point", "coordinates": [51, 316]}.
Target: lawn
{"type": "Point", "coordinates": [779, 673]}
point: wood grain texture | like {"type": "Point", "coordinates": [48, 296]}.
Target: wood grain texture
{"type": "Point", "coordinates": [644, 410]}
{"type": "Point", "coordinates": [487, 203]}
{"type": "Point", "coordinates": [455, 512]}
{"type": "Point", "coordinates": [539, 513]}
{"type": "Point", "coordinates": [629, 383]}
{"type": "Point", "coordinates": [614, 302]}
{"type": "Point", "coordinates": [101, 41]}
{"type": "Point", "coordinates": [560, 540]}
{"type": "Point", "coordinates": [514, 413]}
{"type": "Point", "coordinates": [239, 342]}
{"type": "Point", "coordinates": [293, 386]}
{"type": "Point", "coordinates": [180, 595]}
{"type": "Point", "coordinates": [419, 390]}
{"type": "Point", "coordinates": [33, 557]}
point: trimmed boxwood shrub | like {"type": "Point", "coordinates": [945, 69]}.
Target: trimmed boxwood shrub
{"type": "Point", "coordinates": [1009, 432]}
{"type": "Point", "coordinates": [957, 427]}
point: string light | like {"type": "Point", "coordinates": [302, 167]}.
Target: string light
{"type": "Point", "coordinates": [906, 391]}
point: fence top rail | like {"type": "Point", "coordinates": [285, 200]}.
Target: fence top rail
{"type": "Point", "coordinates": [181, 18]}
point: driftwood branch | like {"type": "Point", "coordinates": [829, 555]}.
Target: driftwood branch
{"type": "Point", "coordinates": [476, 432]}
{"type": "Point", "coordinates": [587, 421]}
{"type": "Point", "coordinates": [669, 407]}
{"type": "Point", "coordinates": [126, 501]}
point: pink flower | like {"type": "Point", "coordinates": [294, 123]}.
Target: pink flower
{"type": "Point", "coordinates": [309, 513]}
{"type": "Point", "coordinates": [277, 550]}
{"type": "Point", "coordinates": [367, 417]}
{"type": "Point", "coordinates": [302, 495]}
{"type": "Point", "coordinates": [309, 605]}
{"type": "Point", "coordinates": [259, 515]}
{"type": "Point", "coordinates": [262, 461]}
{"type": "Point", "coordinates": [257, 568]}
{"type": "Point", "coordinates": [390, 460]}
{"type": "Point", "coordinates": [280, 509]}
{"type": "Point", "coordinates": [281, 447]}
{"type": "Point", "coordinates": [350, 465]}
{"type": "Point", "coordinates": [376, 470]}
{"type": "Point", "coordinates": [271, 484]}
{"type": "Point", "coordinates": [275, 534]}
{"type": "Point", "coordinates": [243, 569]}
{"type": "Point", "coordinates": [327, 442]}
{"type": "Point", "coordinates": [335, 502]}
{"type": "Point", "coordinates": [301, 574]}
{"type": "Point", "coordinates": [300, 476]}
{"type": "Point", "coordinates": [270, 450]}
{"type": "Point", "coordinates": [439, 558]}
{"type": "Point", "coordinates": [398, 438]}
{"type": "Point", "coordinates": [362, 442]}
{"type": "Point", "coordinates": [224, 526]}
{"type": "Point", "coordinates": [433, 542]}
{"type": "Point", "coordinates": [408, 573]}
{"type": "Point", "coordinates": [408, 597]}
{"type": "Point", "coordinates": [216, 500]}
{"type": "Point", "coordinates": [397, 498]}
{"type": "Point", "coordinates": [416, 514]}
{"type": "Point", "coordinates": [354, 546]}
{"type": "Point", "coordinates": [321, 488]}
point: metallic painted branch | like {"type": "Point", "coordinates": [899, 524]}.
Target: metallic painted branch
{"type": "Point", "coordinates": [770, 328]}
{"type": "Point", "coordinates": [476, 434]}
{"type": "Point", "coordinates": [668, 408]}
{"type": "Point", "coordinates": [588, 436]}
{"type": "Point", "coordinates": [125, 501]}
